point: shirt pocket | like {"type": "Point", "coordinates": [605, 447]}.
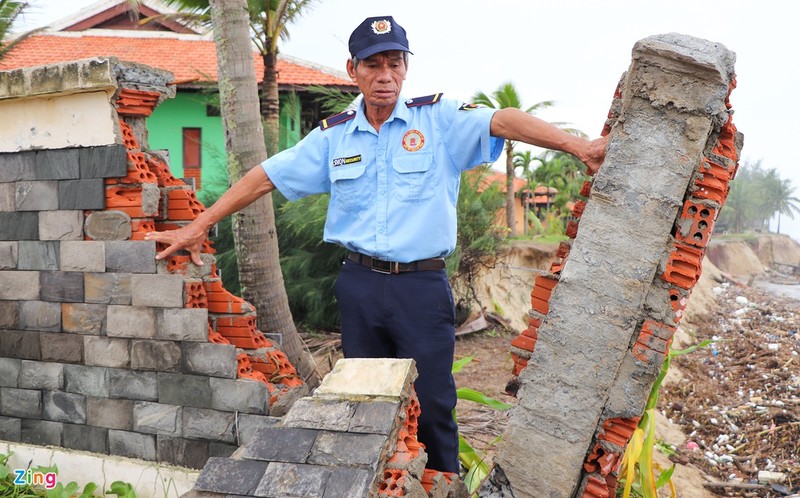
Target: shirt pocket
{"type": "Point", "coordinates": [415, 177]}
{"type": "Point", "coordinates": [351, 190]}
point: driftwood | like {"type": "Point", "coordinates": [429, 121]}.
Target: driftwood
{"type": "Point", "coordinates": [475, 325]}
{"type": "Point", "coordinates": [482, 322]}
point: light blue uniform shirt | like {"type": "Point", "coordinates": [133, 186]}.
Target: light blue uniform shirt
{"type": "Point", "coordinates": [393, 193]}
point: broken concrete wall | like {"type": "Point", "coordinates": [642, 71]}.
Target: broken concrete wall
{"type": "Point", "coordinates": [101, 347]}
{"type": "Point", "coordinates": [602, 319]}
{"type": "Point", "coordinates": [355, 437]}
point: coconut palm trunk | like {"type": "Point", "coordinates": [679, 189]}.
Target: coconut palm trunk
{"type": "Point", "coordinates": [510, 194]}
{"type": "Point", "coordinates": [270, 102]}
{"type": "Point", "coordinates": [253, 227]}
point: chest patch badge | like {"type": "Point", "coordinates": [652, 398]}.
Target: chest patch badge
{"type": "Point", "coordinates": [342, 161]}
{"type": "Point", "coordinates": [413, 140]}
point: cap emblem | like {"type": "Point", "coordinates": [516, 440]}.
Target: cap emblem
{"type": "Point", "coordinates": [381, 27]}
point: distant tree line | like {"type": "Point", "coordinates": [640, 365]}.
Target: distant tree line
{"type": "Point", "coordinates": [757, 195]}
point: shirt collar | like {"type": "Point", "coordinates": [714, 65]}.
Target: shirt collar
{"type": "Point", "coordinates": [400, 111]}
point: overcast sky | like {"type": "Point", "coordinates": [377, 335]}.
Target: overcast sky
{"type": "Point", "coordinates": [571, 52]}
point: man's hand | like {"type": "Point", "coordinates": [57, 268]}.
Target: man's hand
{"type": "Point", "coordinates": [190, 238]}
{"type": "Point", "coordinates": [253, 185]}
{"type": "Point", "coordinates": [595, 154]}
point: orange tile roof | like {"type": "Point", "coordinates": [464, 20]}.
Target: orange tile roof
{"type": "Point", "coordinates": [186, 57]}
{"type": "Point", "coordinates": [500, 179]}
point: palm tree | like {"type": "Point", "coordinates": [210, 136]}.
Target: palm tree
{"type": "Point", "coordinates": [268, 24]}
{"type": "Point", "coordinates": [10, 10]}
{"type": "Point", "coordinates": [524, 160]}
{"type": "Point", "coordinates": [782, 200]}
{"type": "Point", "coordinates": [254, 226]}
{"type": "Point", "coordinates": [504, 97]}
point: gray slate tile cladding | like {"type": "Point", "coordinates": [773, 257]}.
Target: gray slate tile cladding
{"type": "Point", "coordinates": [57, 164]}
{"type": "Point", "coordinates": [19, 226]}
{"type": "Point", "coordinates": [82, 194]}
{"type": "Point", "coordinates": [103, 162]}
{"type": "Point", "coordinates": [17, 166]}
{"type": "Point", "coordinates": [38, 255]}
{"type": "Point", "coordinates": [281, 444]}
{"type": "Point", "coordinates": [235, 477]}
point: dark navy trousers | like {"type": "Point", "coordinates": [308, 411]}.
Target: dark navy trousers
{"type": "Point", "coordinates": [407, 315]}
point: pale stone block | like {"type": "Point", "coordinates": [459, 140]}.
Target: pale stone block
{"type": "Point", "coordinates": [157, 290]}
{"type": "Point", "coordinates": [61, 225]}
{"type": "Point", "coordinates": [359, 377]}
{"type": "Point", "coordinates": [20, 286]}
{"type": "Point", "coordinates": [83, 255]}
{"type": "Point", "coordinates": [130, 321]}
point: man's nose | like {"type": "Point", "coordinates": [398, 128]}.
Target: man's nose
{"type": "Point", "coordinates": [385, 74]}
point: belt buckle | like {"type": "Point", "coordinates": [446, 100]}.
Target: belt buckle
{"type": "Point", "coordinates": [385, 267]}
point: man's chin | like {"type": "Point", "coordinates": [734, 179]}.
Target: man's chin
{"type": "Point", "coordinates": [388, 101]}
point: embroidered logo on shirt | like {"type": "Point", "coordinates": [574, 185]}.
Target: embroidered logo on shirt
{"type": "Point", "coordinates": [381, 27]}
{"type": "Point", "coordinates": [413, 140]}
{"type": "Point", "coordinates": [469, 107]}
{"type": "Point", "coordinates": [341, 161]}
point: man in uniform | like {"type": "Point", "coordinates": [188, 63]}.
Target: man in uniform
{"type": "Point", "coordinates": [392, 167]}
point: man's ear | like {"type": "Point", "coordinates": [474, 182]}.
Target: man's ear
{"type": "Point", "coordinates": [351, 70]}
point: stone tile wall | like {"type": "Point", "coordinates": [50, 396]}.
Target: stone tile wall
{"type": "Point", "coordinates": [101, 348]}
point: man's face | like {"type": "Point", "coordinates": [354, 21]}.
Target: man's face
{"type": "Point", "coordinates": [379, 77]}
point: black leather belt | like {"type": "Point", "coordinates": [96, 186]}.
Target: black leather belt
{"type": "Point", "coordinates": [382, 266]}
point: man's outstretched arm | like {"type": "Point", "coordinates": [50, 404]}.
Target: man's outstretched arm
{"type": "Point", "coordinates": [514, 124]}
{"type": "Point", "coordinates": [191, 237]}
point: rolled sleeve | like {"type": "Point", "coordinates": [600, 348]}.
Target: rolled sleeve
{"type": "Point", "coordinates": [468, 137]}
{"type": "Point", "coordinates": [301, 170]}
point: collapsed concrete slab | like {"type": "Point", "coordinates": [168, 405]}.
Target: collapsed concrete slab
{"type": "Point", "coordinates": [601, 321]}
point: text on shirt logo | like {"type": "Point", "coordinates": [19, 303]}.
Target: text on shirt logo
{"type": "Point", "coordinates": [341, 161]}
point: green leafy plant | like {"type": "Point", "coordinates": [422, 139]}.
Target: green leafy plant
{"type": "Point", "coordinates": [471, 459]}
{"type": "Point", "coordinates": [638, 472]}
{"type": "Point", "coordinates": [121, 489]}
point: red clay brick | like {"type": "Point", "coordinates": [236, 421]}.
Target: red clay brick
{"type": "Point", "coordinates": [586, 188]}
{"type": "Point", "coordinates": [678, 301]}
{"type": "Point", "coordinates": [577, 210]}
{"type": "Point", "coordinates": [137, 103]}
{"type": "Point", "coordinates": [519, 364]}
{"type": "Point", "coordinates": [595, 488]}
{"type": "Point", "coordinates": [524, 342]}
{"type": "Point", "coordinates": [619, 430]}
{"type": "Point", "coordinates": [540, 305]}
{"type": "Point", "coordinates": [139, 228]}
{"type": "Point", "coordinates": [702, 217]}
{"type": "Point", "coordinates": [563, 250]}
{"type": "Point", "coordinates": [572, 229]}
{"type": "Point", "coordinates": [545, 282]}
{"type": "Point", "coordinates": [684, 266]}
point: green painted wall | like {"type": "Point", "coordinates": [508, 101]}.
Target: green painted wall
{"type": "Point", "coordinates": [188, 110]}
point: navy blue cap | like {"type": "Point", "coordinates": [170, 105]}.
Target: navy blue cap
{"type": "Point", "coordinates": [377, 34]}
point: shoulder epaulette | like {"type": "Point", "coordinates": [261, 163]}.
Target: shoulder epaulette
{"type": "Point", "coordinates": [337, 119]}
{"type": "Point", "coordinates": [426, 100]}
